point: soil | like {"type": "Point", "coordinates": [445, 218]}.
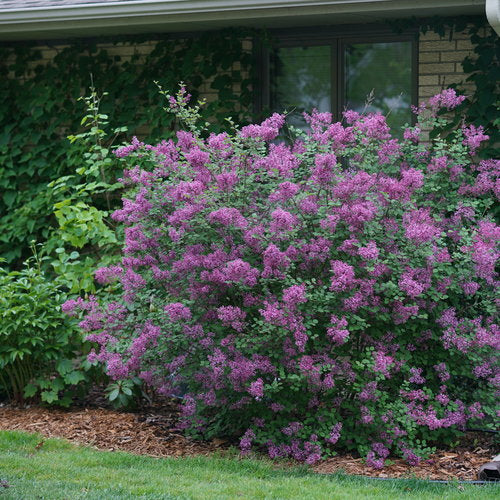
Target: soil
{"type": "Point", "coordinates": [152, 431]}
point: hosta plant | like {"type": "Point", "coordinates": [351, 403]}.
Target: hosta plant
{"type": "Point", "coordinates": [334, 290]}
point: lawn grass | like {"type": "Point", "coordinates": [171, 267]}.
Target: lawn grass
{"type": "Point", "coordinates": [60, 470]}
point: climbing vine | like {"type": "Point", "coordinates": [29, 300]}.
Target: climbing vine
{"type": "Point", "coordinates": [40, 107]}
{"type": "Point", "coordinates": [482, 69]}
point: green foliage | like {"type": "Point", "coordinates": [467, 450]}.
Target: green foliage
{"type": "Point", "coordinates": [481, 108]}
{"type": "Point", "coordinates": [124, 393]}
{"type": "Point", "coordinates": [85, 238]}
{"type": "Point", "coordinates": [86, 235]}
{"type": "Point", "coordinates": [41, 351]}
{"type": "Point", "coordinates": [39, 107]}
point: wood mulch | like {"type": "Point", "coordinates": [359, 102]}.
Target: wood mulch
{"type": "Point", "coordinates": [105, 429]}
{"type": "Point", "coordinates": [153, 432]}
{"type": "Point", "coordinates": [460, 465]}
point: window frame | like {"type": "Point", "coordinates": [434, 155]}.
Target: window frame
{"type": "Point", "coordinates": [337, 37]}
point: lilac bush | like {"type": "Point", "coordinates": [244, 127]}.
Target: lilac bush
{"type": "Point", "coordinates": [331, 291]}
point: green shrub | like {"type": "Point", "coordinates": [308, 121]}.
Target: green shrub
{"type": "Point", "coordinates": [302, 306]}
{"type": "Point", "coordinates": [41, 351]}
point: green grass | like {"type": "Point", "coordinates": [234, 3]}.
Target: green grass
{"type": "Point", "coordinates": [60, 470]}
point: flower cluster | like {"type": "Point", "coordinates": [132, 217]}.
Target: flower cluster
{"type": "Point", "coordinates": [335, 291]}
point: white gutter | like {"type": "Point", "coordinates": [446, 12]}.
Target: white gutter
{"type": "Point", "coordinates": [493, 14]}
{"type": "Point", "coordinates": [175, 7]}
{"type": "Point", "coordinates": [168, 7]}
{"type": "Point", "coordinates": [168, 13]}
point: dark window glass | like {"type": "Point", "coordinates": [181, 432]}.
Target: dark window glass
{"type": "Point", "coordinates": [364, 76]}
{"type": "Point", "coordinates": [301, 80]}
{"type": "Point", "coordinates": [378, 78]}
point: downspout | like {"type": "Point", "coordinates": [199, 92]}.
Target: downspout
{"type": "Point", "coordinates": [493, 14]}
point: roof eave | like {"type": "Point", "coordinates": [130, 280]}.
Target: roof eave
{"type": "Point", "coordinates": [171, 15]}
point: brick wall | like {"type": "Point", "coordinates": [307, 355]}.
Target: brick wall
{"type": "Point", "coordinates": [440, 62]}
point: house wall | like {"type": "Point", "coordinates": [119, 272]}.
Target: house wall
{"type": "Point", "coordinates": [439, 61]}
{"type": "Point", "coordinates": [128, 51]}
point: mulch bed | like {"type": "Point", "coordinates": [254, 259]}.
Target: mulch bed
{"type": "Point", "coordinates": [152, 432]}
{"type": "Point", "coordinates": [105, 429]}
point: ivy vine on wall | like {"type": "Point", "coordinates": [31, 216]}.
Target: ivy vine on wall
{"type": "Point", "coordinates": [482, 69]}
{"type": "Point", "coordinates": [40, 107]}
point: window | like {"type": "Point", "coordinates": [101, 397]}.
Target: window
{"type": "Point", "coordinates": [377, 77]}
{"type": "Point", "coordinates": [301, 79]}
{"type": "Point", "coordinates": [374, 71]}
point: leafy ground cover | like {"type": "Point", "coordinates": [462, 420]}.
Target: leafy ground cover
{"type": "Point", "coordinates": [31, 467]}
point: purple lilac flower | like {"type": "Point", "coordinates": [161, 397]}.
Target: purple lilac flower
{"type": "Point", "coordinates": [177, 311]}
{"type": "Point", "coordinates": [416, 376]}
{"type": "Point", "coordinates": [292, 428]}
{"type": "Point", "coordinates": [471, 287]}
{"type": "Point", "coordinates": [267, 130]}
{"type": "Point", "coordinates": [335, 433]}
{"type": "Point", "coordinates": [370, 251]}
{"type": "Point", "coordinates": [338, 333]}
{"type": "Point", "coordinates": [383, 362]}
{"type": "Point", "coordinates": [373, 461]}
{"type": "Point", "coordinates": [419, 226]}
{"type": "Point", "coordinates": [473, 137]}
{"type": "Point", "coordinates": [232, 316]}
{"type": "Point", "coordinates": [343, 276]}
{"type": "Point", "coordinates": [256, 388]}
{"type": "Point", "coordinates": [410, 456]}
{"type": "Point", "coordinates": [246, 441]}
{"type": "Point", "coordinates": [275, 261]}
{"type": "Point", "coordinates": [324, 169]}
{"type": "Point", "coordinates": [70, 305]}
{"type": "Point", "coordinates": [282, 220]}
{"type": "Point", "coordinates": [284, 192]}
{"type": "Point", "coordinates": [448, 99]}
{"type": "Point", "coordinates": [105, 275]}
{"type": "Point", "coordinates": [412, 134]}
{"type": "Point", "coordinates": [124, 151]}
{"type": "Point", "coordinates": [228, 217]}
{"type": "Point", "coordinates": [294, 295]}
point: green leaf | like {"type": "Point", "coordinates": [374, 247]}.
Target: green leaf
{"type": "Point", "coordinates": [30, 390]}
{"type": "Point", "coordinates": [9, 197]}
{"type": "Point", "coordinates": [57, 384]}
{"type": "Point", "coordinates": [74, 378]}
{"type": "Point", "coordinates": [113, 394]}
{"type": "Point", "coordinates": [49, 396]}
{"type": "Point", "coordinates": [64, 366]}
{"type": "Point", "coordinates": [127, 391]}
